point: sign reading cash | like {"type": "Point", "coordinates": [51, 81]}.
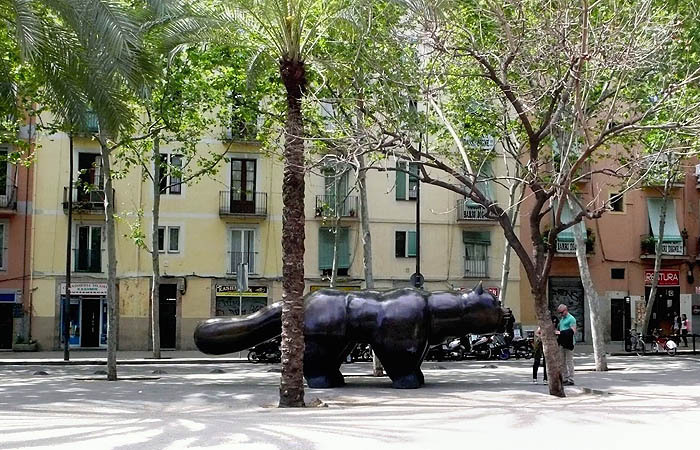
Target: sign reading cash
{"type": "Point", "coordinates": [231, 291]}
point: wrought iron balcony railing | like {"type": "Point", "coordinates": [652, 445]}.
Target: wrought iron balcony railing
{"type": "Point", "coordinates": [242, 203]}
{"type": "Point", "coordinates": [346, 206]}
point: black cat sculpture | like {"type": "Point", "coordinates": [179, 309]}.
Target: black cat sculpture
{"type": "Point", "coordinates": [399, 324]}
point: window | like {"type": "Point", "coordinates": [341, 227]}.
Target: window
{"type": "Point", "coordinates": [405, 244]}
{"type": "Point", "coordinates": [172, 243]}
{"type": "Point", "coordinates": [88, 254]}
{"type": "Point", "coordinates": [406, 186]}
{"type": "Point", "coordinates": [170, 174]}
{"type": "Point", "coordinates": [242, 247]}
{"type": "Point", "coordinates": [3, 170]}
{"type": "Point", "coordinates": [617, 274]}
{"type": "Point", "coordinates": [3, 246]}
{"type": "Point", "coordinates": [243, 173]}
{"type": "Point", "coordinates": [476, 246]}
{"type": "Point", "coordinates": [617, 203]}
{"type": "Point", "coordinates": [326, 244]}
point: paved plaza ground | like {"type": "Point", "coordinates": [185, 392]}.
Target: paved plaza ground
{"type": "Point", "coordinates": [647, 402]}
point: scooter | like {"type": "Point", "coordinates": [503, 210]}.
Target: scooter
{"type": "Point", "coordinates": [453, 350]}
{"type": "Point", "coordinates": [521, 347]}
{"type": "Point", "coordinates": [361, 352]}
{"type": "Point", "coordinates": [663, 343]}
{"type": "Point", "coordinates": [481, 347]}
{"type": "Point", "coordinates": [266, 352]}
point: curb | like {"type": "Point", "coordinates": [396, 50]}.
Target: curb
{"type": "Point", "coordinates": [122, 362]}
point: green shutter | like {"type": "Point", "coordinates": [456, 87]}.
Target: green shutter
{"type": "Point", "coordinates": [326, 239]}
{"type": "Point", "coordinates": [483, 186]}
{"type": "Point", "coordinates": [400, 181]}
{"type": "Point", "coordinates": [476, 237]}
{"type": "Point", "coordinates": [343, 249]}
{"type": "Point", "coordinates": [325, 248]}
{"type": "Point", "coordinates": [411, 243]}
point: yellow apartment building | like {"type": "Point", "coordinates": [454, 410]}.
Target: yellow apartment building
{"type": "Point", "coordinates": [208, 228]}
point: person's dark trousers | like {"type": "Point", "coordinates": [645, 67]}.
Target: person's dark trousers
{"type": "Point", "coordinates": [684, 336]}
{"type": "Point", "coordinates": [539, 353]}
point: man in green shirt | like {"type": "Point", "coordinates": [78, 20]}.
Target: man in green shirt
{"type": "Point", "coordinates": [566, 332]}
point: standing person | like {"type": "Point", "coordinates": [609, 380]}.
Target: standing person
{"type": "Point", "coordinates": [539, 353]}
{"type": "Point", "coordinates": [676, 325]}
{"type": "Point", "coordinates": [685, 326]}
{"type": "Point", "coordinates": [566, 332]}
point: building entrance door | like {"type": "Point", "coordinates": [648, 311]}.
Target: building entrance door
{"type": "Point", "coordinates": [6, 325]}
{"type": "Point", "coordinates": [668, 301]}
{"type": "Point", "coordinates": [569, 291]}
{"type": "Point", "coordinates": [90, 323]}
{"type": "Point", "coordinates": [620, 318]}
{"type": "Point", "coordinates": [168, 315]}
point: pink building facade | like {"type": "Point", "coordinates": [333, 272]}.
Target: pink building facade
{"type": "Point", "coordinates": [621, 258]}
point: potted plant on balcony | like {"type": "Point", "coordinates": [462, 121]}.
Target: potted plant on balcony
{"type": "Point", "coordinates": [648, 245]}
{"type": "Point", "coordinates": [24, 345]}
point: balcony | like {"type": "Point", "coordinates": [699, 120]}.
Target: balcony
{"type": "Point", "coordinates": [468, 211]}
{"type": "Point", "coordinates": [242, 204]}
{"type": "Point", "coordinates": [668, 248]}
{"type": "Point", "coordinates": [87, 260]}
{"type": "Point", "coordinates": [91, 201]}
{"type": "Point", "coordinates": [237, 258]}
{"type": "Point", "coordinates": [326, 206]}
{"type": "Point", "coordinates": [476, 268]}
{"type": "Point", "coordinates": [8, 202]}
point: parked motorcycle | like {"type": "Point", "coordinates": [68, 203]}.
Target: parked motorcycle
{"type": "Point", "coordinates": [663, 343]}
{"type": "Point", "coordinates": [266, 352]}
{"type": "Point", "coordinates": [520, 347]}
{"type": "Point", "coordinates": [490, 346]}
{"type": "Point", "coordinates": [361, 352]}
{"type": "Point", "coordinates": [451, 350]}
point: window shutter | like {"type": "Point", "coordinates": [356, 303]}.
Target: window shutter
{"type": "Point", "coordinates": [400, 181]}
{"type": "Point", "coordinates": [343, 249]}
{"type": "Point", "coordinates": [411, 243]}
{"type": "Point", "coordinates": [325, 248]}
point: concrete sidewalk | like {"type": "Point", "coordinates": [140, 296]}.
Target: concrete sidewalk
{"type": "Point", "coordinates": [467, 404]}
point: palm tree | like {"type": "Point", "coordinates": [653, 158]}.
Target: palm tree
{"type": "Point", "coordinates": [284, 31]}
{"type": "Point", "coordinates": [89, 56]}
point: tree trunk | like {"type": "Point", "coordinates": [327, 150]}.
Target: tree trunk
{"type": "Point", "coordinates": [291, 381]}
{"type": "Point", "coordinates": [377, 368]}
{"type": "Point", "coordinates": [592, 298]}
{"type": "Point", "coordinates": [513, 209]}
{"type": "Point", "coordinates": [112, 300]}
{"type": "Point", "coordinates": [336, 239]}
{"type": "Point", "coordinates": [657, 260]}
{"type": "Point", "coordinates": [155, 255]}
{"type": "Point", "coordinates": [549, 340]}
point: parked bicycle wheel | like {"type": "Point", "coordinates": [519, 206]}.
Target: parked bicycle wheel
{"type": "Point", "coordinates": [253, 356]}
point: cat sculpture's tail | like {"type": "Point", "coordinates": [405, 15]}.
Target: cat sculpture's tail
{"type": "Point", "coordinates": [228, 335]}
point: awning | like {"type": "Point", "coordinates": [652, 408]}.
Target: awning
{"type": "Point", "coordinates": [671, 231]}
{"type": "Point", "coordinates": [566, 217]}
{"type": "Point", "coordinates": [476, 237]}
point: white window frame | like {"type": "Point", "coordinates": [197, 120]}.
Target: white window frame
{"type": "Point", "coordinates": [167, 243]}
{"type": "Point", "coordinates": [229, 233]}
{"type": "Point", "coordinates": [176, 191]}
{"type": "Point", "coordinates": [103, 238]}
{"type": "Point", "coordinates": [5, 225]}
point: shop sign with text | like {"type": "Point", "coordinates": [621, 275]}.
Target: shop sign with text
{"type": "Point", "coordinates": [223, 290]}
{"type": "Point", "coordinates": [85, 289]}
{"type": "Point", "coordinates": [667, 277]}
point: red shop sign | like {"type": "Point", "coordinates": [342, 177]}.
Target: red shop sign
{"type": "Point", "coordinates": [494, 291]}
{"type": "Point", "coordinates": [667, 277]}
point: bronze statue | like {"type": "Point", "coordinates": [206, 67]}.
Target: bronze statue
{"type": "Point", "coordinates": [399, 324]}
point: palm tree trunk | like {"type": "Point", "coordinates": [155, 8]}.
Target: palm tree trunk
{"type": "Point", "coordinates": [291, 381]}
{"type": "Point", "coordinates": [112, 300]}
{"type": "Point", "coordinates": [155, 255]}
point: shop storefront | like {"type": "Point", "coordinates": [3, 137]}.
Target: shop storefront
{"type": "Point", "coordinates": [569, 291]}
{"type": "Point", "coordinates": [8, 308]}
{"type": "Point", "coordinates": [668, 298]}
{"type": "Point", "coordinates": [87, 315]}
{"type": "Point", "coordinates": [231, 302]}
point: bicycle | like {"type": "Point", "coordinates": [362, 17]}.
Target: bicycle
{"type": "Point", "coordinates": [637, 344]}
{"type": "Point", "coordinates": [663, 343]}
